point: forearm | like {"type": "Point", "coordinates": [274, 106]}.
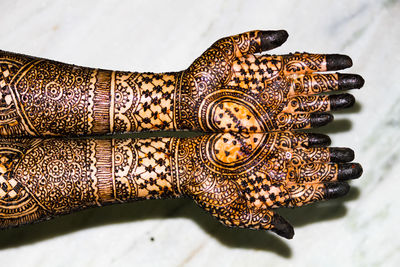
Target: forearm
{"type": "Point", "coordinates": [43, 97]}
{"type": "Point", "coordinates": [40, 179]}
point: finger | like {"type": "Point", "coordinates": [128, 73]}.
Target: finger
{"type": "Point", "coordinates": [290, 140]}
{"type": "Point", "coordinates": [303, 194]}
{"type": "Point", "coordinates": [272, 39]}
{"type": "Point", "coordinates": [239, 214]}
{"type": "Point", "coordinates": [317, 140]}
{"type": "Point", "coordinates": [251, 42]}
{"type": "Point", "coordinates": [302, 155]}
{"type": "Point", "coordinates": [266, 219]}
{"type": "Point", "coordinates": [324, 172]}
{"type": "Point", "coordinates": [288, 121]}
{"type": "Point", "coordinates": [348, 171]}
{"type": "Point", "coordinates": [316, 83]}
{"type": "Point", "coordinates": [317, 103]}
{"type": "Point", "coordinates": [341, 154]}
{"type": "Point", "coordinates": [303, 63]}
{"type": "Point", "coordinates": [313, 172]}
{"type": "Point", "coordinates": [282, 227]}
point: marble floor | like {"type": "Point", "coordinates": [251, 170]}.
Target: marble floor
{"type": "Point", "coordinates": [359, 230]}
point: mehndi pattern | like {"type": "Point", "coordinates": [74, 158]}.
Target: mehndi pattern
{"type": "Point", "coordinates": [239, 178]}
{"type": "Point", "coordinates": [230, 87]}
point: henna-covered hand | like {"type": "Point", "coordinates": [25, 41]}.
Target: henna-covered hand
{"type": "Point", "coordinates": [239, 178]}
{"type": "Point", "coordinates": [231, 87]}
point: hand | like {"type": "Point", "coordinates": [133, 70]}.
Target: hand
{"type": "Point", "coordinates": [230, 88]}
{"type": "Point", "coordinates": [241, 178]}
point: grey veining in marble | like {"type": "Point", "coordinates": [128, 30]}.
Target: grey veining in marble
{"type": "Point", "coordinates": [359, 230]}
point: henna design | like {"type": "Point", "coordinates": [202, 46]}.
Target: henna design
{"type": "Point", "coordinates": [228, 88]}
{"type": "Point", "coordinates": [232, 89]}
{"type": "Point", "coordinates": [42, 97]}
{"type": "Point", "coordinates": [143, 102]}
{"type": "Point", "coordinates": [43, 178]}
{"type": "Point", "coordinates": [239, 178]}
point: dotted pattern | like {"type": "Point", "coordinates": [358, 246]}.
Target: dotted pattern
{"type": "Point", "coordinates": [144, 102]}
{"type": "Point", "coordinates": [240, 179]}
{"type": "Point", "coordinates": [142, 169]}
{"type": "Point", "coordinates": [230, 87]}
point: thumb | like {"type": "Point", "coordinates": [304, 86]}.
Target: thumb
{"type": "Point", "coordinates": [281, 227]}
{"type": "Point", "coordinates": [272, 39]}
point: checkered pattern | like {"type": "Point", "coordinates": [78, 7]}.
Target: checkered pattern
{"type": "Point", "coordinates": [9, 187]}
{"type": "Point", "coordinates": [154, 109]}
{"type": "Point", "coordinates": [7, 71]}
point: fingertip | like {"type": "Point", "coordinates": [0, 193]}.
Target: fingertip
{"type": "Point", "coordinates": [341, 154]}
{"type": "Point", "coordinates": [336, 190]}
{"type": "Point", "coordinates": [318, 140]}
{"type": "Point", "coordinates": [350, 81]}
{"type": "Point", "coordinates": [282, 227]}
{"type": "Point", "coordinates": [320, 119]}
{"type": "Point", "coordinates": [341, 101]}
{"type": "Point", "coordinates": [272, 39]}
{"type": "Point", "coordinates": [348, 171]}
{"type": "Point", "coordinates": [338, 62]}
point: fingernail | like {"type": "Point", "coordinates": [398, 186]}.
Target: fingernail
{"type": "Point", "coordinates": [350, 81]}
{"type": "Point", "coordinates": [338, 62]}
{"type": "Point", "coordinates": [320, 119]}
{"type": "Point", "coordinates": [335, 190]}
{"type": "Point", "coordinates": [318, 140]}
{"type": "Point", "coordinates": [281, 227]}
{"type": "Point", "coordinates": [341, 101]}
{"type": "Point", "coordinates": [349, 171]}
{"type": "Point", "coordinates": [272, 39]}
{"type": "Point", "coordinates": [339, 154]}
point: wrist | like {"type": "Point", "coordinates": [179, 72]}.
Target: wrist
{"type": "Point", "coordinates": [143, 169]}
{"type": "Point", "coordinates": [143, 101]}
{"type": "Point", "coordinates": [46, 97]}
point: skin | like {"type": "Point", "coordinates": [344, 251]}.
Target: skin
{"type": "Point", "coordinates": [231, 87]}
{"type": "Point", "coordinates": [238, 178]}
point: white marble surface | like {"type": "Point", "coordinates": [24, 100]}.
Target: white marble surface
{"type": "Point", "coordinates": [360, 230]}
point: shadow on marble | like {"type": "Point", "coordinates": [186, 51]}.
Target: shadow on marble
{"type": "Point", "coordinates": [356, 108]}
{"type": "Point", "coordinates": [337, 126]}
{"type": "Point", "coordinates": [323, 211]}
{"type": "Point", "coordinates": [178, 208]}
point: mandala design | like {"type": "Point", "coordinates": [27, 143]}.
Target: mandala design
{"type": "Point", "coordinates": [230, 87]}
{"type": "Point", "coordinates": [58, 175]}
{"type": "Point", "coordinates": [239, 177]}
{"type": "Point", "coordinates": [17, 206]}
{"type": "Point", "coordinates": [56, 98]}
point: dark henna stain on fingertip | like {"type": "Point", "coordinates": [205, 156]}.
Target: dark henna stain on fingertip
{"type": "Point", "coordinates": [341, 101]}
{"type": "Point", "coordinates": [350, 81]}
{"type": "Point", "coordinates": [339, 154]}
{"type": "Point", "coordinates": [348, 171]}
{"type": "Point", "coordinates": [320, 119]}
{"type": "Point", "coordinates": [335, 190]}
{"type": "Point", "coordinates": [338, 62]}
{"type": "Point", "coordinates": [282, 227]}
{"type": "Point", "coordinates": [272, 39]}
{"type": "Point", "coordinates": [318, 140]}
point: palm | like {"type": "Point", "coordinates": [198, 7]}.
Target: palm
{"type": "Point", "coordinates": [229, 88]}
{"type": "Point", "coordinates": [240, 178]}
